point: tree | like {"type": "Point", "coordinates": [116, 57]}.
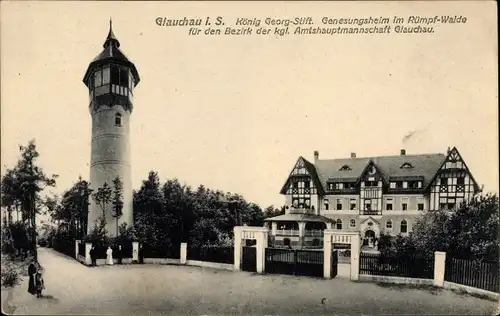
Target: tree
{"type": "Point", "coordinates": [23, 185]}
{"type": "Point", "coordinates": [470, 231]}
{"type": "Point", "coordinates": [71, 209]}
{"type": "Point", "coordinates": [271, 211]}
{"type": "Point", "coordinates": [117, 200]}
{"type": "Point", "coordinates": [102, 197]}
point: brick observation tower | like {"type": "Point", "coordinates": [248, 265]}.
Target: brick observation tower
{"type": "Point", "coordinates": [111, 78]}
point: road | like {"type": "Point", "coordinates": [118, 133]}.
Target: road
{"type": "Point", "coordinates": [182, 290]}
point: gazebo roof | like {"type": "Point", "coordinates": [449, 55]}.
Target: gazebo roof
{"type": "Point", "coordinates": [299, 218]}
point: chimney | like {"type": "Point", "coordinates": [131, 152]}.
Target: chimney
{"type": "Point", "coordinates": [316, 156]}
{"type": "Point", "coordinates": [353, 155]}
{"type": "Point", "coordinates": [403, 152]}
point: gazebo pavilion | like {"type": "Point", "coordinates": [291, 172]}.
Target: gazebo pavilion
{"type": "Point", "coordinates": [298, 229]}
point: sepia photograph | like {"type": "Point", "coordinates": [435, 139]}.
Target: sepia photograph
{"type": "Point", "coordinates": [249, 158]}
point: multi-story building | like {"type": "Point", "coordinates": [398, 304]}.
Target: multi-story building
{"type": "Point", "coordinates": [372, 195]}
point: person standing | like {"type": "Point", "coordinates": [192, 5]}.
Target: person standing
{"type": "Point", "coordinates": [32, 268]}
{"type": "Point", "coordinates": [119, 254]}
{"type": "Point", "coordinates": [93, 256]}
{"type": "Point", "coordinates": [109, 256]}
{"type": "Point", "coordinates": [141, 254]}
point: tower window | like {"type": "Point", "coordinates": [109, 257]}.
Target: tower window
{"type": "Point", "coordinates": [105, 75]}
{"type": "Point", "coordinates": [118, 119]}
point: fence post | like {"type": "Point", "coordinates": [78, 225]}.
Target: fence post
{"type": "Point", "coordinates": [327, 254]}
{"type": "Point", "coordinates": [135, 251]}
{"type": "Point", "coordinates": [261, 250]}
{"type": "Point", "coordinates": [77, 243]}
{"type": "Point", "coordinates": [355, 255]}
{"type": "Point", "coordinates": [237, 248]}
{"type": "Point", "coordinates": [183, 252]}
{"type": "Point", "coordinates": [439, 267]}
{"type": "Point", "coordinates": [88, 246]}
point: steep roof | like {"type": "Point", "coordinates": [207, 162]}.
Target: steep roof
{"type": "Point", "coordinates": [112, 54]}
{"type": "Point", "coordinates": [423, 167]}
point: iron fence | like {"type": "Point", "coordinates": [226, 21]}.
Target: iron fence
{"type": "Point", "coordinates": [295, 262]}
{"type": "Point", "coordinates": [479, 274]}
{"type": "Point", "coordinates": [402, 266]}
{"type": "Point", "coordinates": [81, 249]}
{"type": "Point", "coordinates": [211, 254]}
{"type": "Point", "coordinates": [162, 251]}
{"type": "Point", "coordinates": [65, 246]}
{"type": "Point", "coordinates": [248, 259]}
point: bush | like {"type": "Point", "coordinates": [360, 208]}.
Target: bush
{"type": "Point", "coordinates": [10, 273]}
{"type": "Point", "coordinates": [42, 242]}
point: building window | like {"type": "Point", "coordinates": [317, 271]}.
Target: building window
{"type": "Point", "coordinates": [460, 181]}
{"type": "Point", "coordinates": [118, 119]}
{"type": "Point", "coordinates": [392, 185]}
{"type": "Point", "coordinates": [330, 186]}
{"type": "Point", "coordinates": [352, 223]}
{"type": "Point", "coordinates": [339, 186]}
{"type": "Point", "coordinates": [307, 184]}
{"type": "Point", "coordinates": [371, 183]}
{"type": "Point", "coordinates": [326, 203]}
{"type": "Point", "coordinates": [388, 225]}
{"type": "Point", "coordinates": [388, 205]}
{"type": "Point", "coordinates": [339, 204]}
{"type": "Point", "coordinates": [404, 226]}
{"type": "Point", "coordinates": [420, 206]}
{"type": "Point", "coordinates": [368, 204]}
{"type": "Point", "coordinates": [444, 181]}
{"type": "Point", "coordinates": [405, 185]}
{"type": "Point", "coordinates": [345, 168]}
{"type": "Point", "coordinates": [339, 224]}
{"type": "Point", "coordinates": [404, 204]}
{"type": "Point", "coordinates": [353, 204]}
{"type": "Point", "coordinates": [451, 204]}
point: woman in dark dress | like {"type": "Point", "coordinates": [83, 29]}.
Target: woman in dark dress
{"type": "Point", "coordinates": [32, 268]}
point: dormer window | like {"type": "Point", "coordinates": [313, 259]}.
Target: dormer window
{"type": "Point", "coordinates": [406, 165]}
{"type": "Point", "coordinates": [345, 168]}
{"type": "Point", "coordinates": [118, 119]}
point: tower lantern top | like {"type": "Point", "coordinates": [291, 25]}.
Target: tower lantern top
{"type": "Point", "coordinates": [111, 39]}
{"type": "Point", "coordinates": [111, 54]}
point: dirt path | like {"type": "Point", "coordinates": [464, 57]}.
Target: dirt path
{"type": "Point", "coordinates": [181, 290]}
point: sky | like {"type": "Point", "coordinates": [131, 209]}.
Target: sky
{"type": "Point", "coordinates": [235, 113]}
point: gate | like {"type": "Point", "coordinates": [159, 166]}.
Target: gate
{"type": "Point", "coordinates": [249, 259]}
{"type": "Point", "coordinates": [294, 262]}
{"type": "Point", "coordinates": [334, 260]}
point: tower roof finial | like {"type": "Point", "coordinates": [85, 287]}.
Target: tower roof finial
{"type": "Point", "coordinates": [111, 39]}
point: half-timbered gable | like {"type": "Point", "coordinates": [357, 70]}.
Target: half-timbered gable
{"type": "Point", "coordinates": [372, 181]}
{"type": "Point", "coordinates": [452, 184]}
{"type": "Point", "coordinates": [302, 186]}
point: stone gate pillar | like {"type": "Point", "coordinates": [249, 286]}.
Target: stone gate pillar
{"type": "Point", "coordinates": [334, 236]}
{"type": "Point", "coordinates": [77, 243]}
{"type": "Point", "coordinates": [260, 235]}
{"type": "Point", "coordinates": [237, 247]}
